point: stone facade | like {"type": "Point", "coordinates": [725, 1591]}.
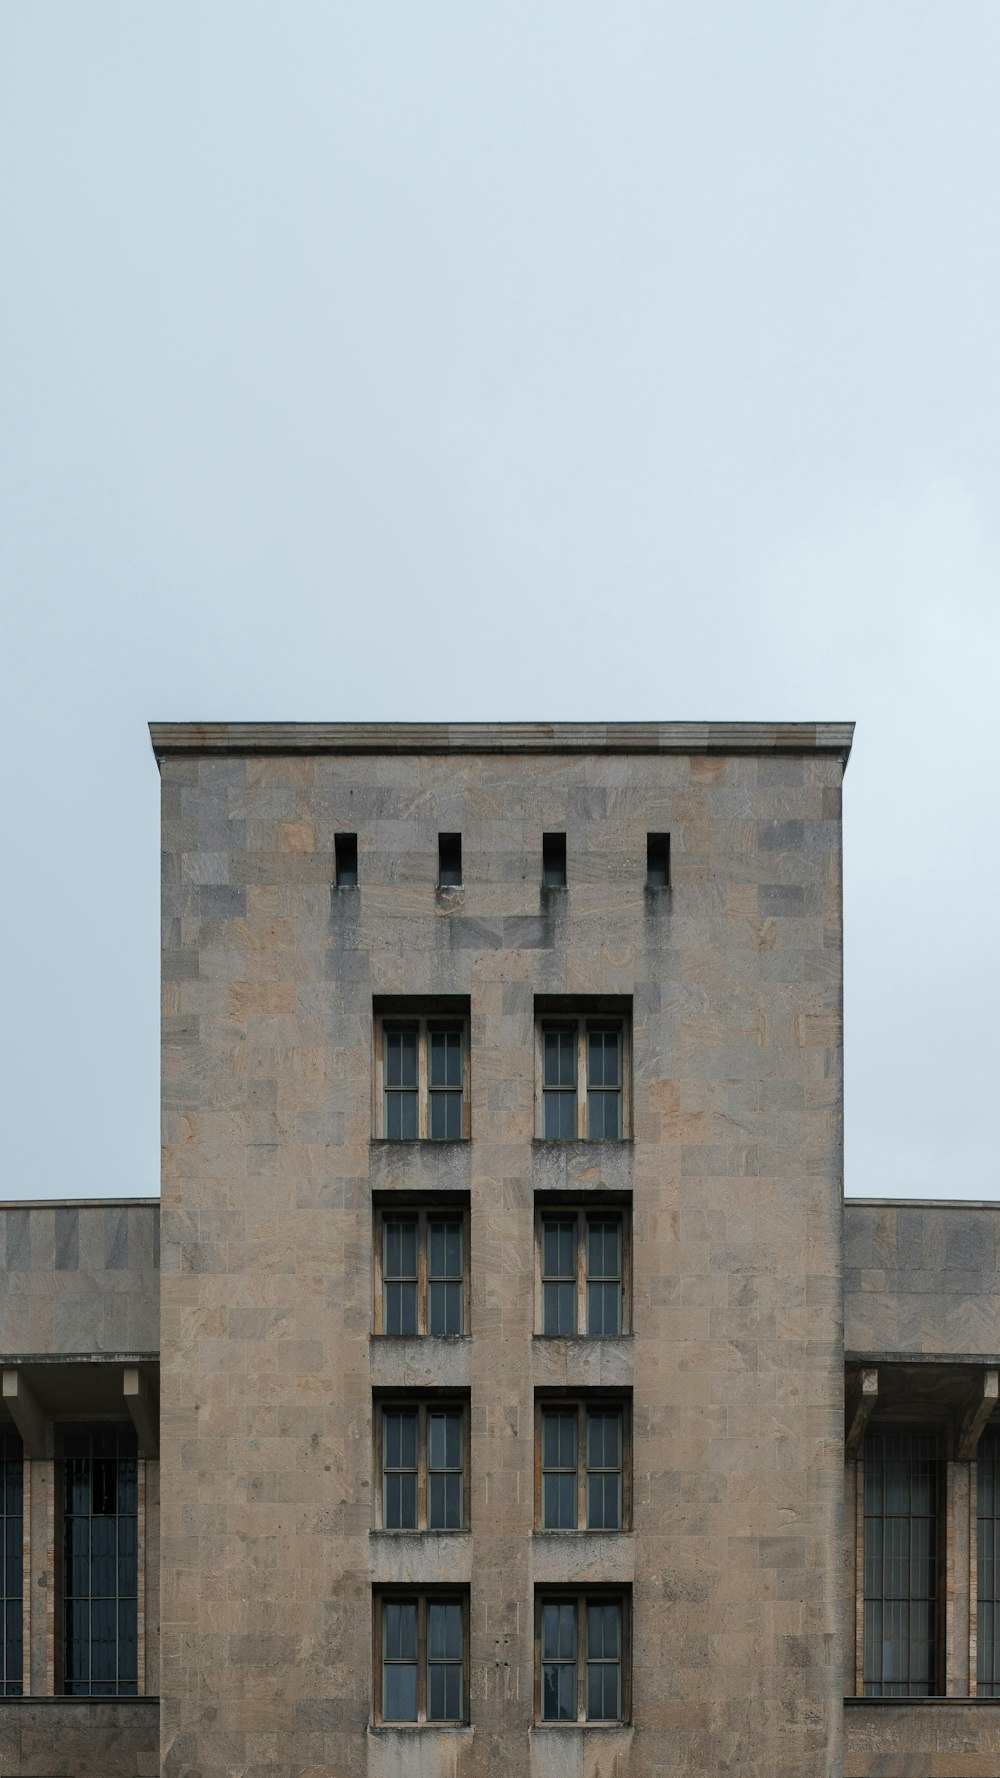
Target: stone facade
{"type": "Point", "coordinates": [736, 1570]}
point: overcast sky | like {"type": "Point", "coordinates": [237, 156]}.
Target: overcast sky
{"type": "Point", "coordinates": [481, 361]}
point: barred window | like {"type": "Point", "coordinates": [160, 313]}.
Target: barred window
{"type": "Point", "coordinates": [988, 1566]}
{"type": "Point", "coordinates": [100, 1565]}
{"type": "Point", "coordinates": [902, 1487]}
{"type": "Point", "coordinates": [581, 1656]}
{"type": "Point", "coordinates": [421, 1664]}
{"type": "Point", "coordinates": [11, 1564]}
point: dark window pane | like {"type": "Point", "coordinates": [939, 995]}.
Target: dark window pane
{"type": "Point", "coordinates": [603, 1309]}
{"type": "Point", "coordinates": [400, 1309]}
{"type": "Point", "coordinates": [445, 1309]}
{"type": "Point", "coordinates": [446, 1059]}
{"type": "Point", "coordinates": [559, 1693]}
{"type": "Point", "coordinates": [603, 1116]}
{"type": "Point", "coordinates": [445, 1247]}
{"type": "Point", "coordinates": [558, 1630]}
{"type": "Point", "coordinates": [559, 1309]}
{"type": "Point", "coordinates": [399, 1693]}
{"type": "Point", "coordinates": [444, 1631]}
{"type": "Point", "coordinates": [345, 847]}
{"type": "Point", "coordinates": [400, 1058]}
{"type": "Point", "coordinates": [559, 1119]}
{"type": "Point", "coordinates": [446, 1117]}
{"type": "Point", "coordinates": [401, 1116]}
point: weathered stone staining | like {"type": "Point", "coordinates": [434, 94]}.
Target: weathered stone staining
{"type": "Point", "coordinates": [676, 969]}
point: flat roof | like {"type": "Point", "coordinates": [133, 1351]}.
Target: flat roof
{"type": "Point", "coordinates": [501, 737]}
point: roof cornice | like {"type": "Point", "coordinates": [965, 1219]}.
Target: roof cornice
{"type": "Point", "coordinates": [501, 737]}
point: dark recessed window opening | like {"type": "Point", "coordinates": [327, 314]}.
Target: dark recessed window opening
{"type": "Point", "coordinates": [11, 1563]}
{"type": "Point", "coordinates": [100, 1526]}
{"type": "Point", "coordinates": [345, 847]}
{"type": "Point", "coordinates": [449, 860]}
{"type": "Point", "coordinates": [554, 860]}
{"type": "Point", "coordinates": [657, 860]}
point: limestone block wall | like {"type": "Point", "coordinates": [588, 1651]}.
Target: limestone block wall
{"type": "Point", "coordinates": [922, 1278]}
{"type": "Point", "coordinates": [79, 1738]}
{"type": "Point", "coordinates": [735, 1361]}
{"type": "Point", "coordinates": [79, 1278]}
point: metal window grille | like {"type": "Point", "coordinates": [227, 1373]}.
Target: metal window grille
{"type": "Point", "coordinates": [401, 1083]}
{"type": "Point", "coordinates": [902, 1486]}
{"type": "Point", "coordinates": [604, 1274]}
{"type": "Point", "coordinates": [559, 1275]}
{"type": "Point", "coordinates": [11, 1565]}
{"type": "Point", "coordinates": [445, 1085]}
{"type": "Point", "coordinates": [399, 1275]}
{"type": "Point", "coordinates": [100, 1543]}
{"type": "Point", "coordinates": [559, 1045]}
{"type": "Point", "coordinates": [444, 1275]}
{"type": "Point", "coordinates": [988, 1566]}
{"type": "Point", "coordinates": [604, 1469]}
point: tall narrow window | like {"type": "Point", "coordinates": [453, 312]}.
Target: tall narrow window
{"type": "Point", "coordinates": [11, 1564]}
{"type": "Point", "coordinates": [901, 1564]}
{"type": "Point", "coordinates": [445, 1290]}
{"type": "Point", "coordinates": [604, 1274]}
{"type": "Point", "coordinates": [988, 1566]}
{"type": "Point", "coordinates": [657, 860]}
{"type": "Point", "coordinates": [449, 860]}
{"type": "Point", "coordinates": [559, 1046]}
{"type": "Point", "coordinates": [445, 1085]}
{"type": "Point", "coordinates": [400, 1053]}
{"type": "Point", "coordinates": [559, 1275]}
{"type": "Point", "coordinates": [345, 852]}
{"type": "Point", "coordinates": [421, 1660]}
{"type": "Point", "coordinates": [553, 860]}
{"type": "Point", "coordinates": [581, 1655]}
{"type": "Point", "coordinates": [399, 1275]}
{"type": "Point", "coordinates": [559, 1469]}
{"type": "Point", "coordinates": [100, 1504]}
{"type": "Point", "coordinates": [604, 1083]}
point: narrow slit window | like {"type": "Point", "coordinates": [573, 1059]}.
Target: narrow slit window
{"type": "Point", "coordinates": [554, 860]}
{"type": "Point", "coordinates": [449, 860]}
{"type": "Point", "coordinates": [345, 852]}
{"type": "Point", "coordinates": [11, 1565]}
{"type": "Point", "coordinates": [657, 861]}
{"type": "Point", "coordinates": [988, 1567]}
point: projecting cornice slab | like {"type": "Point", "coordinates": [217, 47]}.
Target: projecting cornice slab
{"type": "Point", "coordinates": [501, 737]}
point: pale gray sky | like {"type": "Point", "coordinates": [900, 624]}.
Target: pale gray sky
{"type": "Point", "coordinates": [499, 360]}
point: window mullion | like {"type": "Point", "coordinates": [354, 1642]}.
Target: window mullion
{"type": "Point", "coordinates": [423, 1236]}
{"type": "Point", "coordinates": [423, 1093]}
{"type": "Point", "coordinates": [581, 1271]}
{"type": "Point", "coordinates": [422, 1515]}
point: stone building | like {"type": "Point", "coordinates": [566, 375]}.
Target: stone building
{"type": "Point", "coordinates": [527, 1400]}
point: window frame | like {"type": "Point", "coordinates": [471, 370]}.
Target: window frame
{"type": "Point", "coordinates": [986, 1504]}
{"type": "Point", "coordinates": [423, 1214]}
{"type": "Point", "coordinates": [424, 1025]}
{"type": "Point", "coordinates": [582, 1597]}
{"type": "Point", "coordinates": [583, 1406]}
{"type": "Point", "coordinates": [423, 1598]}
{"type": "Point", "coordinates": [549, 1211]}
{"type": "Point", "coordinates": [422, 1405]}
{"type": "Point", "coordinates": [583, 1022]}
